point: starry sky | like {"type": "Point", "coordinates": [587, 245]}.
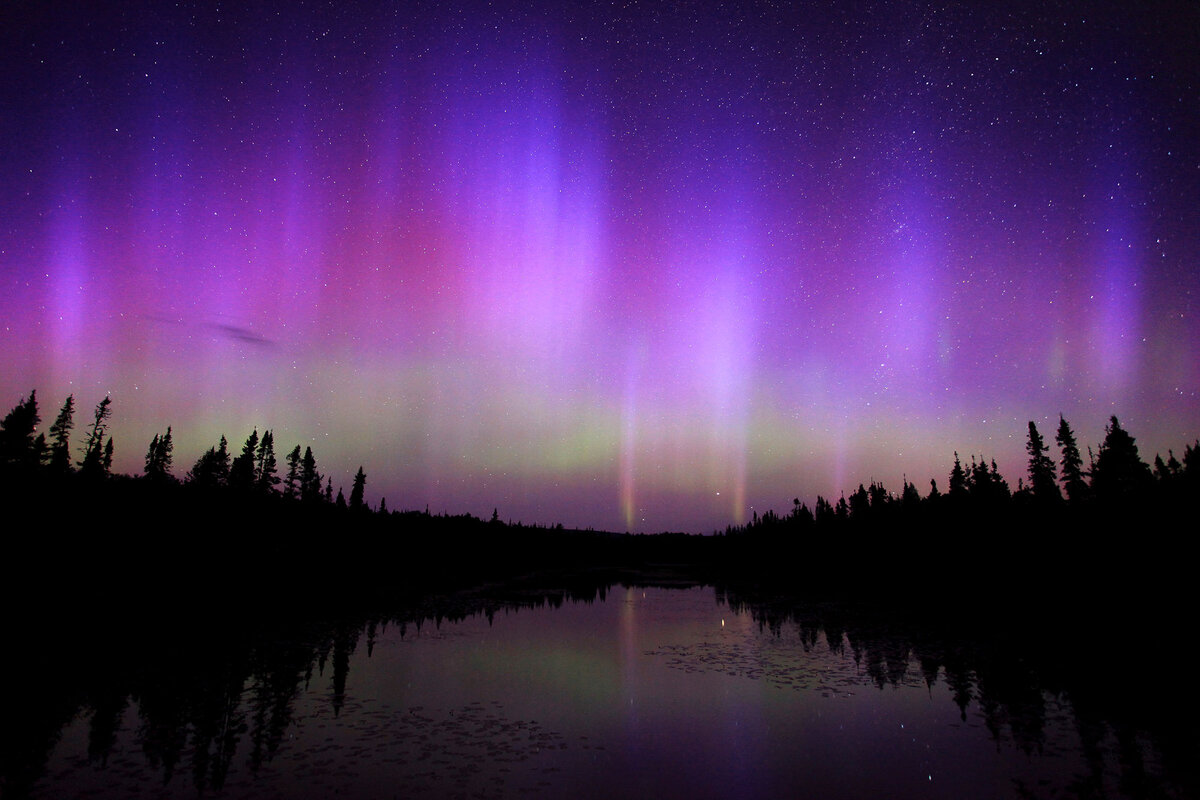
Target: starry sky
{"type": "Point", "coordinates": [635, 266]}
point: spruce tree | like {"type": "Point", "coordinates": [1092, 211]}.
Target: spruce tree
{"type": "Point", "coordinates": [310, 479]}
{"type": "Point", "coordinates": [242, 472]}
{"type": "Point", "coordinates": [291, 484]}
{"type": "Point", "coordinates": [356, 491]}
{"type": "Point", "coordinates": [60, 438]}
{"type": "Point", "coordinates": [93, 450]}
{"type": "Point", "coordinates": [1071, 463]}
{"type": "Point", "coordinates": [158, 456]}
{"type": "Point", "coordinates": [221, 463]}
{"type": "Point", "coordinates": [1041, 468]}
{"type": "Point", "coordinates": [17, 434]}
{"type": "Point", "coordinates": [1119, 470]}
{"type": "Point", "coordinates": [268, 469]}
{"type": "Point", "coordinates": [958, 478]}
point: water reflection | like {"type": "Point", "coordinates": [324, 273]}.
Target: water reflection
{"type": "Point", "coordinates": [296, 704]}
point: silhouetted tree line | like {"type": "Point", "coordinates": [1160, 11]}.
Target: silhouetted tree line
{"type": "Point", "coordinates": [280, 518]}
{"type": "Point", "coordinates": [1116, 480]}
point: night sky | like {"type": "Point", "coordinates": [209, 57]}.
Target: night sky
{"type": "Point", "coordinates": [634, 266]}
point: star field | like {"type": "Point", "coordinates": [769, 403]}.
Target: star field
{"type": "Point", "coordinates": [624, 265]}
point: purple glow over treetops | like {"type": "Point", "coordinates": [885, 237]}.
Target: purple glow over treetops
{"type": "Point", "coordinates": [642, 267]}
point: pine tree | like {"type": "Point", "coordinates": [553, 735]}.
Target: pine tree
{"type": "Point", "coordinates": [356, 491]}
{"type": "Point", "coordinates": [243, 474]}
{"type": "Point", "coordinates": [152, 457]}
{"type": "Point", "coordinates": [221, 463]}
{"type": "Point", "coordinates": [958, 478]}
{"type": "Point", "coordinates": [1119, 470]}
{"type": "Point", "coordinates": [16, 434]}
{"type": "Point", "coordinates": [93, 450]}
{"type": "Point", "coordinates": [383, 506]}
{"type": "Point", "coordinates": [310, 479]}
{"type": "Point", "coordinates": [211, 470]}
{"type": "Point", "coordinates": [60, 438]}
{"type": "Point", "coordinates": [158, 456]}
{"type": "Point", "coordinates": [1041, 468]}
{"type": "Point", "coordinates": [1071, 464]}
{"type": "Point", "coordinates": [860, 503]}
{"type": "Point", "coordinates": [823, 511]}
{"type": "Point", "coordinates": [267, 467]}
{"type": "Point", "coordinates": [341, 499]}
{"type": "Point", "coordinates": [291, 484]}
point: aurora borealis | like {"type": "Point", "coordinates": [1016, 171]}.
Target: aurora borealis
{"type": "Point", "coordinates": [635, 266]}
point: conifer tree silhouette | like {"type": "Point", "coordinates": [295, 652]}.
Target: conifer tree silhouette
{"type": "Point", "coordinates": [958, 478]}
{"type": "Point", "coordinates": [267, 467]}
{"type": "Point", "coordinates": [92, 464]}
{"type": "Point", "coordinates": [242, 472]}
{"type": "Point", "coordinates": [16, 434]}
{"type": "Point", "coordinates": [158, 456]}
{"type": "Point", "coordinates": [291, 484]}
{"type": "Point", "coordinates": [60, 438]}
{"type": "Point", "coordinates": [1071, 463]}
{"type": "Point", "coordinates": [310, 479]}
{"type": "Point", "coordinates": [1119, 471]}
{"type": "Point", "coordinates": [357, 490]}
{"type": "Point", "coordinates": [211, 470]}
{"type": "Point", "coordinates": [1041, 468]}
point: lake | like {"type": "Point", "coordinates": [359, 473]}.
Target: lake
{"type": "Point", "coordinates": [614, 690]}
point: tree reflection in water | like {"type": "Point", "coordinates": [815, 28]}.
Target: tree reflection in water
{"type": "Point", "coordinates": [208, 686]}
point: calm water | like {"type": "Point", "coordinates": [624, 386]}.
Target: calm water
{"type": "Point", "coordinates": [642, 692]}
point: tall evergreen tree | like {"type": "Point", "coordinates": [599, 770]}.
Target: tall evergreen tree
{"type": "Point", "coordinates": [958, 478]}
{"type": "Point", "coordinates": [243, 472]}
{"type": "Point", "coordinates": [1071, 463]}
{"type": "Point", "coordinates": [268, 469]}
{"type": "Point", "coordinates": [1041, 468]}
{"type": "Point", "coordinates": [823, 511]}
{"type": "Point", "coordinates": [93, 450]}
{"type": "Point", "coordinates": [158, 456]}
{"type": "Point", "coordinates": [1119, 470]}
{"type": "Point", "coordinates": [17, 434]}
{"type": "Point", "coordinates": [356, 491]}
{"type": "Point", "coordinates": [291, 484]}
{"type": "Point", "coordinates": [211, 470]}
{"type": "Point", "coordinates": [151, 456]}
{"type": "Point", "coordinates": [60, 438]}
{"type": "Point", "coordinates": [221, 462]}
{"type": "Point", "coordinates": [860, 503]}
{"type": "Point", "coordinates": [310, 479]}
